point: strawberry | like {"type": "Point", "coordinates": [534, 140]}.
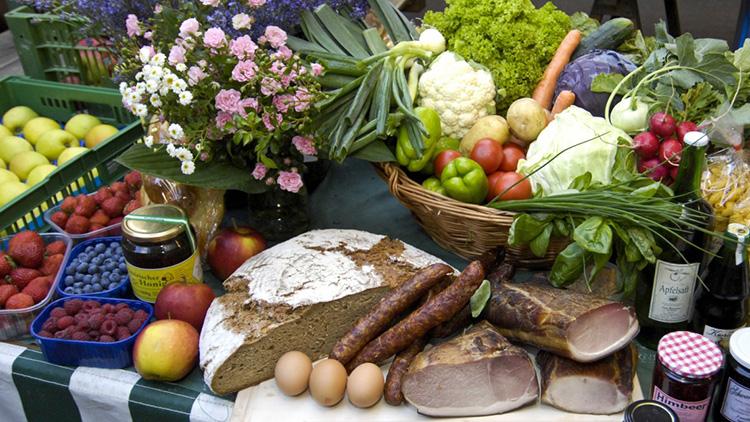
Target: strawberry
{"type": "Point", "coordinates": [94, 227]}
{"type": "Point", "coordinates": [113, 206]}
{"type": "Point", "coordinates": [125, 196]}
{"type": "Point", "coordinates": [77, 224]}
{"type": "Point", "coordinates": [118, 187]}
{"type": "Point", "coordinates": [7, 291]}
{"type": "Point", "coordinates": [85, 206]}
{"type": "Point", "coordinates": [21, 277]}
{"type": "Point", "coordinates": [19, 301]}
{"type": "Point", "coordinates": [133, 180]}
{"type": "Point", "coordinates": [132, 206]}
{"type": "Point", "coordinates": [51, 264]}
{"type": "Point", "coordinates": [6, 265]}
{"type": "Point", "coordinates": [68, 204]}
{"type": "Point", "coordinates": [37, 289]}
{"type": "Point", "coordinates": [100, 217]}
{"type": "Point", "coordinates": [102, 194]}
{"type": "Point", "coordinates": [27, 249]}
{"type": "Point", "coordinates": [59, 218]}
{"type": "Point", "coordinates": [137, 195]}
{"type": "Point", "coordinates": [56, 247]}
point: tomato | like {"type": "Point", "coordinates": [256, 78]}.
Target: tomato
{"type": "Point", "coordinates": [488, 153]}
{"type": "Point", "coordinates": [511, 154]}
{"type": "Point", "coordinates": [520, 191]}
{"type": "Point", "coordinates": [492, 178]}
{"type": "Point", "coordinates": [443, 158]}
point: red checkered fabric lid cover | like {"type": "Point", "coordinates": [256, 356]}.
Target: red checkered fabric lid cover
{"type": "Point", "coordinates": [689, 354]}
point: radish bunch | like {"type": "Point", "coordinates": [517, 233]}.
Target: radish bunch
{"type": "Point", "coordinates": [662, 143]}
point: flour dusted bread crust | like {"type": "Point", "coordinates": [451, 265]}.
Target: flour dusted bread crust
{"type": "Point", "coordinates": [302, 294]}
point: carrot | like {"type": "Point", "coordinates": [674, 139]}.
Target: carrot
{"type": "Point", "coordinates": [545, 89]}
{"type": "Point", "coordinates": [564, 100]}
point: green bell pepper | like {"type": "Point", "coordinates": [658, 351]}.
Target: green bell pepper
{"type": "Point", "coordinates": [443, 144]}
{"type": "Point", "coordinates": [433, 183]}
{"type": "Point", "coordinates": [406, 155]}
{"type": "Point", "coordinates": [464, 179]}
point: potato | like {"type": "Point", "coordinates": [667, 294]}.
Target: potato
{"type": "Point", "coordinates": [526, 119]}
{"type": "Point", "coordinates": [493, 127]}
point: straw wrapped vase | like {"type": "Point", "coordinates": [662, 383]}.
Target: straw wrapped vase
{"type": "Point", "coordinates": [467, 230]}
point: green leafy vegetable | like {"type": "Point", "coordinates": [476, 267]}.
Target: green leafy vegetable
{"type": "Point", "coordinates": [480, 298]}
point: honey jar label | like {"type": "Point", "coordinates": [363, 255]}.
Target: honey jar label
{"type": "Point", "coordinates": [148, 282]}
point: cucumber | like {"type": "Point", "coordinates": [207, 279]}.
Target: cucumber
{"type": "Point", "coordinates": [608, 36]}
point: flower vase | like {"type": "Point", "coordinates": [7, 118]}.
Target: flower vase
{"type": "Point", "coordinates": [279, 214]}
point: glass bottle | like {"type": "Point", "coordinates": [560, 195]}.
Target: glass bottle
{"type": "Point", "coordinates": [733, 403]}
{"type": "Point", "coordinates": [721, 305]}
{"type": "Point", "coordinates": [664, 294]}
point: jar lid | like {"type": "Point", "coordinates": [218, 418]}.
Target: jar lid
{"type": "Point", "coordinates": [689, 354]}
{"type": "Point", "coordinates": [153, 230]}
{"type": "Point", "coordinates": [649, 411]}
{"type": "Point", "coordinates": [739, 346]}
{"type": "Point", "coordinates": [696, 139]}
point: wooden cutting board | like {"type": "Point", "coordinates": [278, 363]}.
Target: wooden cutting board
{"type": "Point", "coordinates": [265, 402]}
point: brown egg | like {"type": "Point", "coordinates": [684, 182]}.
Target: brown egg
{"type": "Point", "coordinates": [292, 372]}
{"type": "Point", "coordinates": [328, 382]}
{"type": "Point", "coordinates": [365, 386]}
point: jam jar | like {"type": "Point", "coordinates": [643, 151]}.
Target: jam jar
{"type": "Point", "coordinates": [159, 247]}
{"type": "Point", "coordinates": [649, 411]}
{"type": "Point", "coordinates": [685, 373]}
{"type": "Point", "coordinates": [734, 399]}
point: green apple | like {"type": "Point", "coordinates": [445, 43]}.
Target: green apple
{"type": "Point", "coordinates": [35, 127]}
{"type": "Point", "coordinates": [166, 350]}
{"type": "Point", "coordinates": [2, 164]}
{"type": "Point", "coordinates": [8, 176]}
{"type": "Point", "coordinates": [10, 190]}
{"type": "Point", "coordinates": [17, 117]}
{"type": "Point", "coordinates": [12, 145]}
{"type": "Point", "coordinates": [99, 134]}
{"type": "Point", "coordinates": [4, 131]}
{"type": "Point", "coordinates": [69, 154]}
{"type": "Point", "coordinates": [80, 124]}
{"type": "Point", "coordinates": [24, 162]}
{"type": "Point", "coordinates": [54, 142]}
{"type": "Point", "coordinates": [39, 173]}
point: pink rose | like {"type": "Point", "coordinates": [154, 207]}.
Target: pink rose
{"type": "Point", "coordinates": [259, 171]}
{"type": "Point", "coordinates": [269, 86]}
{"type": "Point", "coordinates": [243, 47]}
{"type": "Point", "coordinates": [244, 71]}
{"type": "Point", "coordinates": [195, 75]}
{"type": "Point", "coordinates": [228, 100]}
{"type": "Point", "coordinates": [283, 52]}
{"type": "Point", "coordinates": [282, 102]}
{"type": "Point", "coordinates": [147, 35]}
{"type": "Point", "coordinates": [256, 3]}
{"type": "Point", "coordinates": [241, 21]}
{"type": "Point", "coordinates": [132, 26]}
{"type": "Point", "coordinates": [303, 100]}
{"type": "Point", "coordinates": [189, 27]}
{"type": "Point", "coordinates": [222, 119]}
{"type": "Point", "coordinates": [317, 68]}
{"type": "Point", "coordinates": [176, 55]}
{"type": "Point", "coordinates": [271, 125]}
{"type": "Point", "coordinates": [277, 67]}
{"type": "Point", "coordinates": [250, 103]}
{"type": "Point", "coordinates": [275, 35]}
{"type": "Point", "coordinates": [290, 181]}
{"type": "Point", "coordinates": [212, 3]}
{"type": "Point", "coordinates": [214, 38]}
{"type": "Point", "coordinates": [304, 145]}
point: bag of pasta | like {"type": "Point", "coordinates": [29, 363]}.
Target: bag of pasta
{"type": "Point", "coordinates": [724, 185]}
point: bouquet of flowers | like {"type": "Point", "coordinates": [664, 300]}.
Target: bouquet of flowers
{"type": "Point", "coordinates": [215, 99]}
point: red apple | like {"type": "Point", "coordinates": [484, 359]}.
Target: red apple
{"type": "Point", "coordinates": [184, 301]}
{"type": "Point", "coordinates": [231, 247]}
{"type": "Point", "coordinates": [166, 350]}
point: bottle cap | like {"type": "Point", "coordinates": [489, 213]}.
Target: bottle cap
{"type": "Point", "coordinates": [739, 346]}
{"type": "Point", "coordinates": [689, 354]}
{"type": "Point", "coordinates": [696, 139]}
{"type": "Point", "coordinates": [649, 411]}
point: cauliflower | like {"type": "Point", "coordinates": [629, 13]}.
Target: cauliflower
{"type": "Point", "coordinates": [459, 92]}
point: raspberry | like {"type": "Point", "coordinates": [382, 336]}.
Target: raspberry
{"type": "Point", "coordinates": [108, 307]}
{"type": "Point", "coordinates": [141, 314]}
{"type": "Point", "coordinates": [110, 317]}
{"type": "Point", "coordinates": [81, 316]}
{"type": "Point", "coordinates": [80, 336]}
{"type": "Point", "coordinates": [91, 304]}
{"type": "Point", "coordinates": [45, 334]}
{"type": "Point", "coordinates": [122, 333]}
{"type": "Point", "coordinates": [124, 316]}
{"type": "Point", "coordinates": [135, 324]}
{"type": "Point", "coordinates": [50, 324]}
{"type": "Point", "coordinates": [109, 328]}
{"type": "Point", "coordinates": [94, 334]}
{"type": "Point", "coordinates": [96, 320]}
{"type": "Point", "coordinates": [106, 339]}
{"type": "Point", "coordinates": [65, 322]}
{"type": "Point", "coordinates": [58, 312]}
{"type": "Point", "coordinates": [122, 305]}
{"type": "Point", "coordinates": [66, 334]}
{"type": "Point", "coordinates": [83, 325]}
{"type": "Point", "coordinates": [73, 306]}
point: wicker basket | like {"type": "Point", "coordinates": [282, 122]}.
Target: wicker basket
{"type": "Point", "coordinates": [467, 230]}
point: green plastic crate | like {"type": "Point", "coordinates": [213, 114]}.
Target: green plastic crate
{"type": "Point", "coordinates": [47, 48]}
{"type": "Point", "coordinates": [86, 173]}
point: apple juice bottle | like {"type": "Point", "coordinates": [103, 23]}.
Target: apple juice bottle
{"type": "Point", "coordinates": [664, 295]}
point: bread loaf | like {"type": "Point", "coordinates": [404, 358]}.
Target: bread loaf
{"type": "Point", "coordinates": [302, 294]}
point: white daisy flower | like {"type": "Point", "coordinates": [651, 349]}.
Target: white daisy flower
{"type": "Point", "coordinates": [199, 147]}
{"type": "Point", "coordinates": [144, 54]}
{"type": "Point", "coordinates": [139, 110]}
{"type": "Point", "coordinates": [158, 60]}
{"type": "Point", "coordinates": [180, 67]}
{"type": "Point", "coordinates": [180, 84]}
{"type": "Point", "coordinates": [186, 97]}
{"type": "Point", "coordinates": [187, 167]}
{"type": "Point", "coordinates": [175, 131]}
{"type": "Point", "coordinates": [215, 85]}
{"type": "Point", "coordinates": [146, 69]}
{"type": "Point", "coordinates": [155, 72]}
{"type": "Point", "coordinates": [148, 141]}
{"type": "Point", "coordinates": [140, 88]}
{"type": "Point", "coordinates": [155, 100]}
{"type": "Point", "coordinates": [164, 90]}
{"type": "Point", "coordinates": [183, 154]}
{"type": "Point", "coordinates": [133, 97]}
{"type": "Point", "coordinates": [170, 150]}
{"type": "Point", "coordinates": [152, 85]}
{"type": "Point", "coordinates": [123, 87]}
{"type": "Point", "coordinates": [169, 80]}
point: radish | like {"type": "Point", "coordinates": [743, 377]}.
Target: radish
{"type": "Point", "coordinates": [646, 144]}
{"type": "Point", "coordinates": [662, 124]}
{"type": "Point", "coordinates": [684, 128]}
{"type": "Point", "coordinates": [670, 151]}
{"type": "Point", "coordinates": [651, 169]}
{"type": "Point", "coordinates": [673, 173]}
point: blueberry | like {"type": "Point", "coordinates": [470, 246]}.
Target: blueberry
{"type": "Point", "coordinates": [121, 260]}
{"type": "Point", "coordinates": [89, 249]}
{"type": "Point", "coordinates": [70, 270]}
{"type": "Point", "coordinates": [69, 280]}
{"type": "Point", "coordinates": [95, 278]}
{"type": "Point", "coordinates": [112, 286]}
{"type": "Point", "coordinates": [108, 253]}
{"type": "Point", "coordinates": [96, 287]}
{"type": "Point", "coordinates": [93, 269]}
{"type": "Point", "coordinates": [78, 285]}
{"type": "Point", "coordinates": [100, 247]}
{"type": "Point", "coordinates": [69, 290]}
{"type": "Point", "coordinates": [111, 265]}
{"type": "Point", "coordinates": [88, 289]}
{"type": "Point", "coordinates": [98, 260]}
{"type": "Point", "coordinates": [117, 271]}
{"type": "Point", "coordinates": [82, 267]}
{"type": "Point", "coordinates": [105, 275]}
{"type": "Point", "coordinates": [114, 245]}
{"type": "Point", "coordinates": [87, 279]}
{"type": "Point", "coordinates": [78, 277]}
{"type": "Point", "coordinates": [115, 278]}
{"type": "Point", "coordinates": [123, 268]}
{"type": "Point", "coordinates": [77, 291]}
